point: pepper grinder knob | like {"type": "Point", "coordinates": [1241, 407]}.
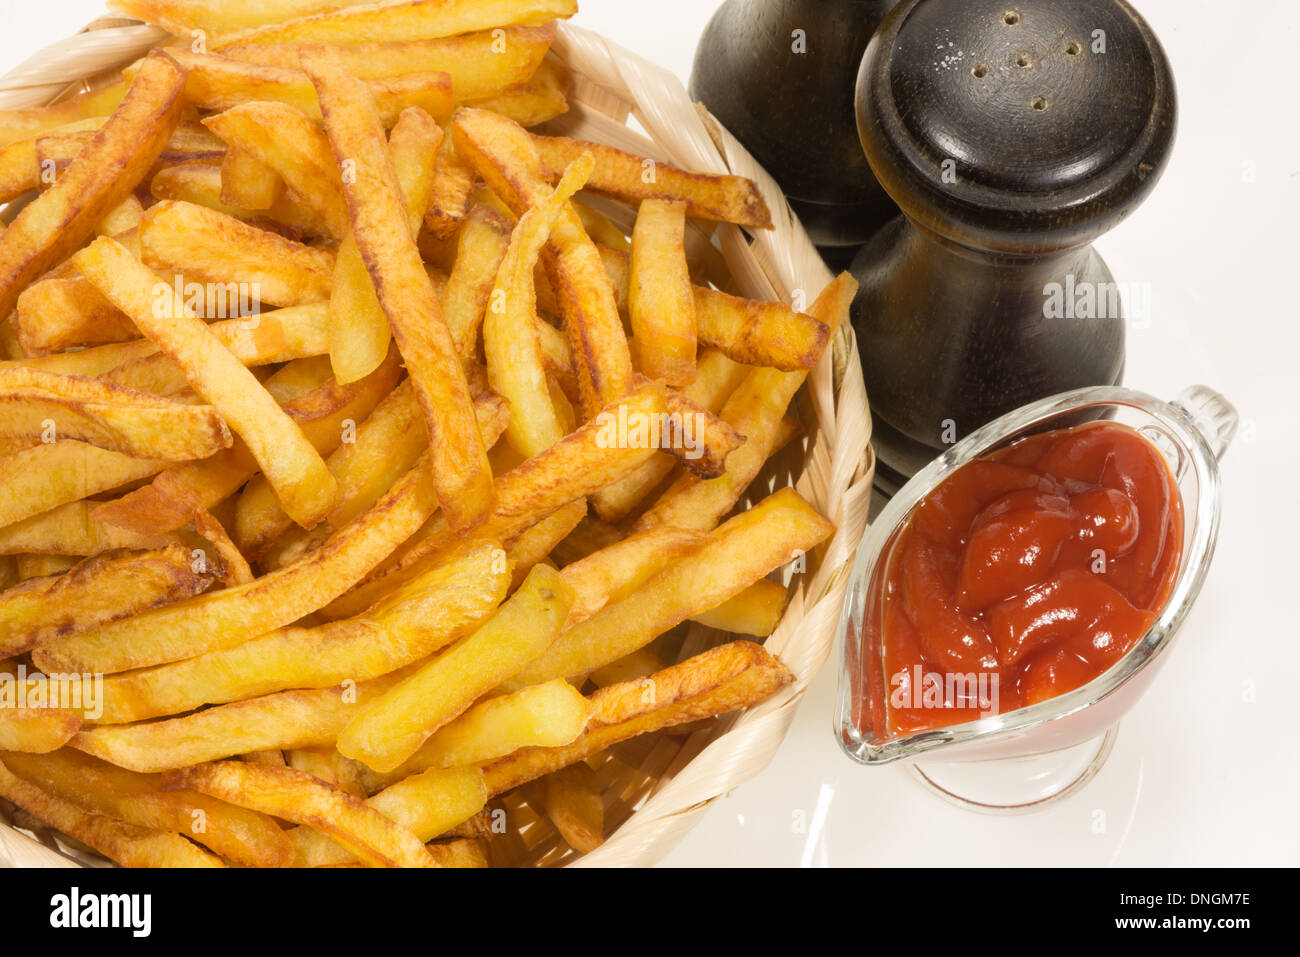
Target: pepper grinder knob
{"type": "Point", "coordinates": [1011, 133]}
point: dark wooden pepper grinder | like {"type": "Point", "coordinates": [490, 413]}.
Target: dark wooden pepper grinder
{"type": "Point", "coordinates": [1011, 133]}
{"type": "Point", "coordinates": [779, 75]}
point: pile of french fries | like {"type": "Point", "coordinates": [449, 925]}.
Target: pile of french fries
{"type": "Point", "coordinates": [366, 469]}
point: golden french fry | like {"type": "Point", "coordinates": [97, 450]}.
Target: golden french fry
{"type": "Point", "coordinates": [480, 64]}
{"type": "Point", "coordinates": [756, 409]}
{"type": "Point", "coordinates": [514, 358]}
{"type": "Point", "coordinates": [504, 156]}
{"type": "Point", "coordinates": [294, 468]}
{"type": "Point", "coordinates": [188, 143]}
{"type": "Point", "coordinates": [219, 83]}
{"type": "Point", "coordinates": [572, 801]}
{"type": "Point", "coordinates": [219, 17]}
{"type": "Point", "coordinates": [573, 468]}
{"type": "Point", "coordinates": [298, 797]}
{"type": "Point", "coordinates": [380, 227]}
{"type": "Point", "coordinates": [229, 831]}
{"type": "Point", "coordinates": [534, 544]}
{"type": "Point", "coordinates": [453, 187]}
{"type": "Point", "coordinates": [31, 719]}
{"type": "Point", "coordinates": [545, 715]}
{"type": "Point", "coordinates": [233, 615]}
{"type": "Point", "coordinates": [26, 124]}
{"type": "Point", "coordinates": [284, 140]}
{"type": "Point", "coordinates": [427, 804]}
{"type": "Point", "coordinates": [720, 680]}
{"type": "Point", "coordinates": [615, 571]}
{"type": "Point", "coordinates": [631, 178]}
{"type": "Point", "coordinates": [290, 719]}
{"type": "Point", "coordinates": [696, 437]}
{"type": "Point", "coordinates": [759, 333]}
{"type": "Point", "coordinates": [425, 616]}
{"type": "Point", "coordinates": [533, 103]}
{"type": "Point", "coordinates": [110, 167]}
{"type": "Point", "coordinates": [247, 181]}
{"type": "Point", "coordinates": [98, 590]}
{"type": "Point", "coordinates": [661, 304]}
{"type": "Point", "coordinates": [200, 184]}
{"type": "Point", "coordinates": [739, 553]}
{"type": "Point", "coordinates": [318, 405]}
{"type": "Point", "coordinates": [128, 844]}
{"type": "Point", "coordinates": [481, 247]}
{"type": "Point", "coordinates": [329, 766]}
{"type": "Point", "coordinates": [59, 313]}
{"type": "Point", "coordinates": [755, 611]}
{"type": "Point", "coordinates": [225, 561]}
{"type": "Point", "coordinates": [409, 20]}
{"type": "Point", "coordinates": [392, 728]}
{"type": "Point", "coordinates": [359, 333]}
{"type": "Point", "coordinates": [124, 216]}
{"type": "Point", "coordinates": [71, 530]}
{"type": "Point", "coordinates": [106, 416]}
{"type": "Point", "coordinates": [281, 335]}
{"type": "Point", "coordinates": [208, 246]}
{"type": "Point", "coordinates": [44, 476]}
{"type": "Point", "coordinates": [639, 664]}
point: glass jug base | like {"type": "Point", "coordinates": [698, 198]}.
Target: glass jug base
{"type": "Point", "coordinates": [1016, 785]}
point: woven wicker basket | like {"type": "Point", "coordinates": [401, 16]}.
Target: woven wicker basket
{"type": "Point", "coordinates": [656, 786]}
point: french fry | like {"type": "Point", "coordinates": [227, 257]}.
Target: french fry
{"type": "Point", "coordinates": [208, 246]}
{"type": "Point", "coordinates": [504, 156]}
{"type": "Point", "coordinates": [27, 124]}
{"type": "Point", "coordinates": [427, 804]}
{"type": "Point", "coordinates": [715, 682]}
{"type": "Point", "coordinates": [294, 468]}
{"type": "Point", "coordinates": [27, 724]}
{"type": "Point", "coordinates": [229, 831]}
{"type": "Point", "coordinates": [639, 664]}
{"type": "Point", "coordinates": [359, 332]}
{"type": "Point", "coordinates": [247, 181]}
{"type": "Point", "coordinates": [480, 249]}
{"type": "Point", "coordinates": [572, 801]}
{"type": "Point", "coordinates": [545, 715]}
{"type": "Point", "coordinates": [533, 103]}
{"type": "Point", "coordinates": [234, 615]}
{"type": "Point", "coordinates": [453, 187]}
{"type": "Point", "coordinates": [71, 530]}
{"type": "Point", "coordinates": [227, 562]}
{"type": "Point", "coordinates": [381, 229]}
{"type": "Point", "coordinates": [59, 313]}
{"type": "Point", "coordinates": [716, 378]}
{"type": "Point", "coordinates": [188, 143]}
{"type": "Point", "coordinates": [480, 64]}
{"type": "Point", "coordinates": [218, 17]}
{"type": "Point", "coordinates": [661, 305]}
{"type": "Point", "coordinates": [631, 178]}
{"type": "Point", "coordinates": [42, 477]}
{"type": "Point", "coordinates": [617, 570]}
{"type": "Point", "coordinates": [110, 167]}
{"type": "Point", "coordinates": [219, 83]}
{"type": "Point", "coordinates": [329, 766]}
{"type": "Point", "coordinates": [290, 719]}
{"type": "Point", "coordinates": [757, 409]}
{"type": "Point", "coordinates": [106, 416]}
{"type": "Point", "coordinates": [200, 184]}
{"type": "Point", "coordinates": [128, 844]}
{"type": "Point", "coordinates": [410, 20]}
{"type": "Point", "coordinates": [534, 544]}
{"type": "Point", "coordinates": [98, 590]}
{"type": "Point", "coordinates": [392, 728]}
{"type": "Point", "coordinates": [700, 440]}
{"type": "Point", "coordinates": [298, 797]}
{"type": "Point", "coordinates": [759, 333]}
{"type": "Point", "coordinates": [739, 553]}
{"type": "Point", "coordinates": [286, 141]}
{"type": "Point", "coordinates": [755, 611]}
{"type": "Point", "coordinates": [573, 468]}
{"type": "Point", "coordinates": [319, 406]}
{"type": "Point", "coordinates": [425, 616]}
{"type": "Point", "coordinates": [514, 359]}
{"type": "Point", "coordinates": [280, 335]}
{"type": "Point", "coordinates": [387, 443]}
{"type": "Point", "coordinates": [20, 168]}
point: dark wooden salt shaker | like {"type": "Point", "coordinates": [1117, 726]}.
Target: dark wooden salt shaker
{"type": "Point", "coordinates": [779, 74]}
{"type": "Point", "coordinates": [1011, 133]}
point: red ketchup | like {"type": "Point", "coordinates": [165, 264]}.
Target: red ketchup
{"type": "Point", "coordinates": [1027, 574]}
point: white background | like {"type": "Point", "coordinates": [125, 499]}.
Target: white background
{"type": "Point", "coordinates": [1200, 774]}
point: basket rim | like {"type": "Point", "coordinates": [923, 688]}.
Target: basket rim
{"type": "Point", "coordinates": [839, 479]}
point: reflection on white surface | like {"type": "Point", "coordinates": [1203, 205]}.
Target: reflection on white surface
{"type": "Point", "coordinates": [814, 846]}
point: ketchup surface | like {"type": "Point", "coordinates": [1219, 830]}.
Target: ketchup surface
{"type": "Point", "coordinates": [1038, 566]}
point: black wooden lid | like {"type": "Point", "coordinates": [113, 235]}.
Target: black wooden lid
{"type": "Point", "coordinates": [1016, 125]}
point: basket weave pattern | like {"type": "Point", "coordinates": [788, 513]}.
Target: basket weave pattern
{"type": "Point", "coordinates": [656, 786]}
